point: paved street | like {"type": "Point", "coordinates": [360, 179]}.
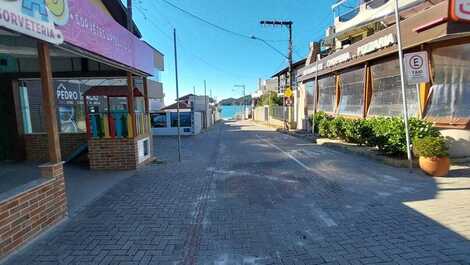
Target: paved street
{"type": "Point", "coordinates": [248, 195]}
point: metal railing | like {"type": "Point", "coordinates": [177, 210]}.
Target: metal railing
{"type": "Point", "coordinates": [376, 3]}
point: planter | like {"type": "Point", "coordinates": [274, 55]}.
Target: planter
{"type": "Point", "coordinates": [435, 166]}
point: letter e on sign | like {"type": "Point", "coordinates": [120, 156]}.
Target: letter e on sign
{"type": "Point", "coordinates": [459, 10]}
{"type": "Point", "coordinates": [416, 67]}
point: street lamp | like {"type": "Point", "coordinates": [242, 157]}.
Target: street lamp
{"type": "Point", "coordinates": [244, 99]}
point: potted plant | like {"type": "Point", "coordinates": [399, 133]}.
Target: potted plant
{"type": "Point", "coordinates": [433, 155]}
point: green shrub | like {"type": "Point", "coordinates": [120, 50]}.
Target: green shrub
{"type": "Point", "coordinates": [319, 117]}
{"type": "Point", "coordinates": [420, 128]}
{"type": "Point", "coordinates": [431, 146]}
{"type": "Point", "coordinates": [324, 127]}
{"type": "Point", "coordinates": [336, 128]}
{"type": "Point", "coordinates": [357, 131]}
{"type": "Point", "coordinates": [373, 138]}
{"type": "Point", "coordinates": [385, 133]}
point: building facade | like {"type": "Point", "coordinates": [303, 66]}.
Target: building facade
{"type": "Point", "coordinates": [71, 80]}
{"type": "Point", "coordinates": [362, 79]}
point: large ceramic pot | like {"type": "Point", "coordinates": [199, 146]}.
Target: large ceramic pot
{"type": "Point", "coordinates": [435, 166]}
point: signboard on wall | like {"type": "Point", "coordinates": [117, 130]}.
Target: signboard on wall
{"type": "Point", "coordinates": [37, 19]}
{"type": "Point", "coordinates": [89, 28]}
{"type": "Point", "coordinates": [80, 23]}
{"type": "Point", "coordinates": [416, 67]}
{"type": "Point", "coordinates": [460, 10]}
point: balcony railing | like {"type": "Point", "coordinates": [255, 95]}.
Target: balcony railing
{"type": "Point", "coordinates": [376, 3]}
{"type": "Point", "coordinates": [349, 15]}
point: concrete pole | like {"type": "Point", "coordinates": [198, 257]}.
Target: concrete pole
{"type": "Point", "coordinates": [177, 96]}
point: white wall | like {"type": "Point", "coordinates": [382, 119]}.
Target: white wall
{"type": "Point", "coordinates": [170, 131]}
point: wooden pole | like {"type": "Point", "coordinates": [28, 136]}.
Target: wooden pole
{"type": "Point", "coordinates": [130, 101]}
{"type": "Point", "coordinates": [49, 103]}
{"type": "Point", "coordinates": [146, 95]}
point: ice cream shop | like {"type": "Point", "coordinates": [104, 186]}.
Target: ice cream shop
{"type": "Point", "coordinates": [73, 87]}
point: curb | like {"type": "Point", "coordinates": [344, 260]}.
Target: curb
{"type": "Point", "coordinates": [357, 150]}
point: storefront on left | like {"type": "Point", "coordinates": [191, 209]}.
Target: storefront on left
{"type": "Point", "coordinates": [73, 87]}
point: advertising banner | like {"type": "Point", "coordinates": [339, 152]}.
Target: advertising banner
{"type": "Point", "coordinates": [89, 28]}
{"type": "Point", "coordinates": [80, 23]}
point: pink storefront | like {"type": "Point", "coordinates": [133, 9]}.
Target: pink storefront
{"type": "Point", "coordinates": [51, 54]}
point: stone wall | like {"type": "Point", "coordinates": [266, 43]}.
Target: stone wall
{"type": "Point", "coordinates": [36, 145]}
{"type": "Point", "coordinates": [27, 214]}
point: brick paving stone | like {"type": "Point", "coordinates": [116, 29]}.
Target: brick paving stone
{"type": "Point", "coordinates": [238, 197]}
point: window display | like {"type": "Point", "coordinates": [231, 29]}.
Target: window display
{"type": "Point", "coordinates": [450, 94]}
{"type": "Point", "coordinates": [327, 94]}
{"type": "Point", "coordinates": [386, 91]}
{"type": "Point", "coordinates": [309, 91]}
{"type": "Point", "coordinates": [352, 92]}
{"type": "Point", "coordinates": [158, 120]}
{"type": "Point", "coordinates": [185, 119]}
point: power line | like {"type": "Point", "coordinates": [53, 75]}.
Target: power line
{"type": "Point", "coordinates": [168, 35]}
{"type": "Point", "coordinates": [229, 31]}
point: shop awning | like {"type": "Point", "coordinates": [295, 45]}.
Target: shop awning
{"type": "Point", "coordinates": [111, 91]}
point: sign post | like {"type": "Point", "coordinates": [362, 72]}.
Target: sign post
{"type": "Point", "coordinates": [417, 68]}
{"type": "Point", "coordinates": [402, 81]}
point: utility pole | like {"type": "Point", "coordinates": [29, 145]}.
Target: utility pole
{"type": "Point", "coordinates": [287, 24]}
{"type": "Point", "coordinates": [402, 80]}
{"type": "Point", "coordinates": [205, 104]}
{"type": "Point", "coordinates": [177, 96]}
{"type": "Point", "coordinates": [193, 120]}
{"type": "Point", "coordinates": [129, 16]}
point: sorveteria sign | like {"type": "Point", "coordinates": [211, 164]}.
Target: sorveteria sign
{"type": "Point", "coordinates": [35, 18]}
{"type": "Point", "coordinates": [372, 46]}
{"type": "Point", "coordinates": [80, 23]}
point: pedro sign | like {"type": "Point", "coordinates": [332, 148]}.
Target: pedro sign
{"type": "Point", "coordinates": [460, 10]}
{"type": "Point", "coordinates": [35, 18]}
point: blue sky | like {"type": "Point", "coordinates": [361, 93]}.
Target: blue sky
{"type": "Point", "coordinates": [221, 58]}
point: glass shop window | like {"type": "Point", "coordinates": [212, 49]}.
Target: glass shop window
{"type": "Point", "coordinates": [70, 106]}
{"type": "Point", "coordinates": [31, 106]}
{"type": "Point", "coordinates": [185, 119]}
{"type": "Point", "coordinates": [309, 91]}
{"type": "Point", "coordinates": [352, 92]}
{"type": "Point", "coordinates": [450, 93]}
{"type": "Point", "coordinates": [327, 94]}
{"type": "Point", "coordinates": [159, 120]}
{"type": "Point", "coordinates": [386, 91]}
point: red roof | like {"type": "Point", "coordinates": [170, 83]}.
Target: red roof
{"type": "Point", "coordinates": [111, 91]}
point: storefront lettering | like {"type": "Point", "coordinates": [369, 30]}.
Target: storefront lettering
{"type": "Point", "coordinates": [377, 44]}
{"type": "Point", "coordinates": [33, 18]}
{"type": "Point", "coordinates": [313, 69]}
{"type": "Point", "coordinates": [338, 59]}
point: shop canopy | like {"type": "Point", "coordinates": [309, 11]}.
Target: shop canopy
{"type": "Point", "coordinates": [111, 91]}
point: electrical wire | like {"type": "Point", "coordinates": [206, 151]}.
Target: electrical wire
{"type": "Point", "coordinates": [183, 47]}
{"type": "Point", "coordinates": [229, 31]}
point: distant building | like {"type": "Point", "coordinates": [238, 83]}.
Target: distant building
{"type": "Point", "coordinates": [196, 113]}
